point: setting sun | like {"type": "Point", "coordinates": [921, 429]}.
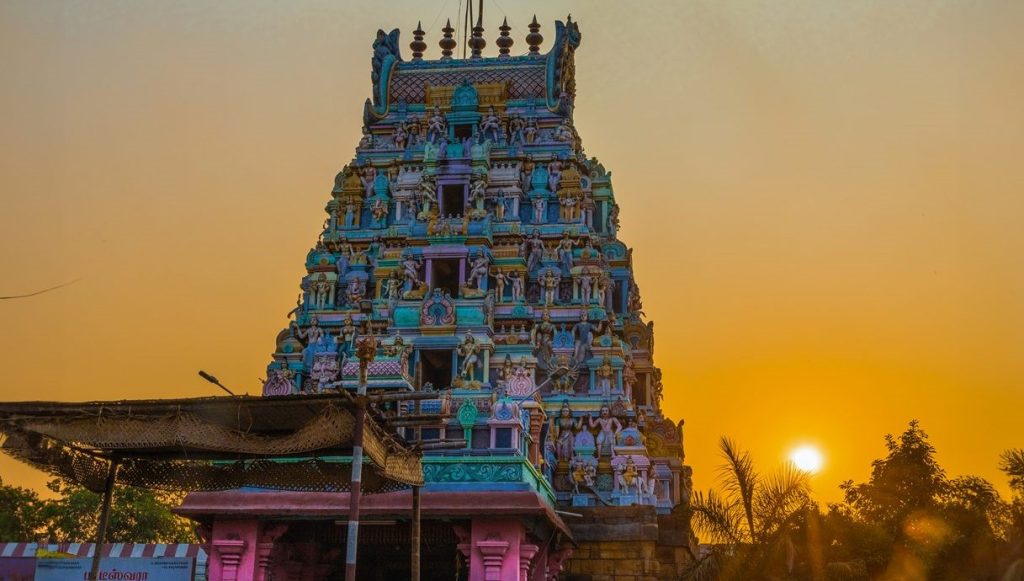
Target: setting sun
{"type": "Point", "coordinates": [807, 458]}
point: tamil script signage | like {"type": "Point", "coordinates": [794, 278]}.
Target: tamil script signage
{"type": "Point", "coordinates": [116, 569]}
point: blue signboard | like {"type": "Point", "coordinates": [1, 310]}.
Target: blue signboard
{"type": "Point", "coordinates": [116, 569]}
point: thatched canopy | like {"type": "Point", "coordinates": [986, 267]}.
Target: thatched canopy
{"type": "Point", "coordinates": [216, 443]}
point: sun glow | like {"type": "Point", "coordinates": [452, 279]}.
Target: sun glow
{"type": "Point", "coordinates": [807, 458]}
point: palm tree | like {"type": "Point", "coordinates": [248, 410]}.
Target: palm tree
{"type": "Point", "coordinates": [751, 520]}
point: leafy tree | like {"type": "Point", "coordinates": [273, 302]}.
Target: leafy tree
{"type": "Point", "coordinates": [136, 515]}
{"type": "Point", "coordinates": [1012, 464]}
{"type": "Point", "coordinates": [19, 514]}
{"type": "Point", "coordinates": [752, 520]}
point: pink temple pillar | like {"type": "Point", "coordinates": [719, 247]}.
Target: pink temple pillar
{"type": "Point", "coordinates": [494, 551]}
{"type": "Point", "coordinates": [526, 554]}
{"type": "Point", "coordinates": [232, 550]}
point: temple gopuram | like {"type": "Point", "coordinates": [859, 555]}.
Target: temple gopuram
{"type": "Point", "coordinates": [474, 241]}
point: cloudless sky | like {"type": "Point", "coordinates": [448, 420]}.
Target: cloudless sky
{"type": "Point", "coordinates": [825, 201]}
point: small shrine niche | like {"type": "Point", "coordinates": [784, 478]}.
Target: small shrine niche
{"type": "Point", "coordinates": [446, 274]}
{"type": "Point", "coordinates": [436, 367]}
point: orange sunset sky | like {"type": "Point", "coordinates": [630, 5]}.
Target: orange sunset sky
{"type": "Point", "coordinates": [825, 199]}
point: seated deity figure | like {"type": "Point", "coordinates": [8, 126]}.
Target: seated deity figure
{"type": "Point", "coordinates": [583, 473]}
{"type": "Point", "coordinates": [356, 290]}
{"type": "Point", "coordinates": [468, 350]}
{"type": "Point", "coordinates": [379, 211]}
{"type": "Point", "coordinates": [517, 285]}
{"type": "Point", "coordinates": [606, 435]}
{"type": "Point", "coordinates": [605, 374]}
{"type": "Point", "coordinates": [437, 126]}
{"type": "Point", "coordinates": [412, 129]}
{"type": "Point", "coordinates": [628, 479]}
{"type": "Point", "coordinates": [366, 141]}
{"type": "Point", "coordinates": [490, 126]}
{"type": "Point", "coordinates": [564, 131]}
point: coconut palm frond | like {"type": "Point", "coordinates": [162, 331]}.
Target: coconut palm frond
{"type": "Point", "coordinates": [782, 494]}
{"type": "Point", "coordinates": [717, 517]}
{"type": "Point", "coordinates": [706, 568]}
{"type": "Point", "coordinates": [739, 479]}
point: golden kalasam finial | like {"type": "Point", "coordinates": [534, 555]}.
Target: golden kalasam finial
{"type": "Point", "coordinates": [417, 45]}
{"type": "Point", "coordinates": [477, 42]}
{"type": "Point", "coordinates": [504, 41]}
{"type": "Point", "coordinates": [447, 43]}
{"type": "Point", "coordinates": [534, 38]}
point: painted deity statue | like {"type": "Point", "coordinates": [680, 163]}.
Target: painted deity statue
{"type": "Point", "coordinates": [564, 432]}
{"type": "Point", "coordinates": [533, 249]}
{"type": "Point", "coordinates": [565, 246]}
{"type": "Point", "coordinates": [540, 208]}
{"type": "Point", "coordinates": [468, 350]}
{"type": "Point", "coordinates": [586, 288]}
{"type": "Point", "coordinates": [516, 124]}
{"type": "Point", "coordinates": [428, 197]}
{"type": "Point", "coordinates": [437, 126]}
{"type": "Point", "coordinates": [608, 426]}
{"type": "Point", "coordinates": [629, 478]}
{"type": "Point", "coordinates": [542, 335]}
{"type": "Point", "coordinates": [411, 272]}
{"type": "Point", "coordinates": [549, 282]}
{"type": "Point", "coordinates": [490, 126]}
{"type": "Point", "coordinates": [516, 278]}
{"type": "Point", "coordinates": [500, 280]}
{"type": "Point", "coordinates": [347, 334]}
{"type": "Point", "coordinates": [478, 271]}
{"type": "Point", "coordinates": [478, 192]}
{"type": "Point", "coordinates": [530, 131]}
{"type": "Point", "coordinates": [605, 374]}
{"type": "Point", "coordinates": [583, 335]}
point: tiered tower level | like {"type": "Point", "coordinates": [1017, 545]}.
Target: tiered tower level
{"type": "Point", "coordinates": [475, 239]}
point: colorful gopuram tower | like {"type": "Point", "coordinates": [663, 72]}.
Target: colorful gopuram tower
{"type": "Point", "coordinates": [472, 236]}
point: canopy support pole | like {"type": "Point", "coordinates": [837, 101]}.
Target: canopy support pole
{"type": "Point", "coordinates": [415, 534]}
{"type": "Point", "coordinates": [101, 529]}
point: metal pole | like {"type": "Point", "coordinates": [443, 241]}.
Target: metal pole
{"type": "Point", "coordinates": [101, 529]}
{"type": "Point", "coordinates": [353, 507]}
{"type": "Point", "coordinates": [415, 576]}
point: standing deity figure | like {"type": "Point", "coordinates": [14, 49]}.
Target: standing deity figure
{"type": "Point", "coordinates": [526, 171]}
{"type": "Point", "coordinates": [411, 272]}
{"type": "Point", "coordinates": [533, 248]}
{"type": "Point", "coordinates": [539, 211]}
{"type": "Point", "coordinates": [517, 285]}
{"type": "Point", "coordinates": [516, 124]}
{"type": "Point", "coordinates": [549, 282]}
{"type": "Point", "coordinates": [565, 246]}
{"type": "Point", "coordinates": [543, 335]}
{"type": "Point", "coordinates": [428, 196]}
{"type": "Point", "coordinates": [583, 334]}
{"type": "Point", "coordinates": [602, 289]}
{"type": "Point", "coordinates": [613, 219]}
{"type": "Point", "coordinates": [478, 192]}
{"type": "Point", "coordinates": [554, 173]}
{"type": "Point", "coordinates": [412, 129]}
{"type": "Point", "coordinates": [401, 137]}
{"type": "Point", "coordinates": [628, 376]}
{"type": "Point", "coordinates": [321, 291]}
{"type": "Point", "coordinates": [579, 473]}
{"type": "Point", "coordinates": [313, 333]}
{"type": "Point", "coordinates": [488, 308]}
{"type": "Point", "coordinates": [530, 131]}
{"type": "Point", "coordinates": [586, 288]}
{"type": "Point", "coordinates": [563, 432]}
{"type": "Point", "coordinates": [392, 288]}
{"type": "Point", "coordinates": [347, 334]}
{"type": "Point", "coordinates": [478, 271]}
{"type": "Point", "coordinates": [550, 462]}
{"type": "Point", "coordinates": [367, 176]}
{"type": "Point", "coordinates": [437, 126]}
{"type": "Point", "coordinates": [490, 126]}
{"type": "Point", "coordinates": [606, 436]}
{"type": "Point", "coordinates": [500, 279]}
{"type": "Point", "coordinates": [468, 350]}
{"type": "Point", "coordinates": [605, 374]}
